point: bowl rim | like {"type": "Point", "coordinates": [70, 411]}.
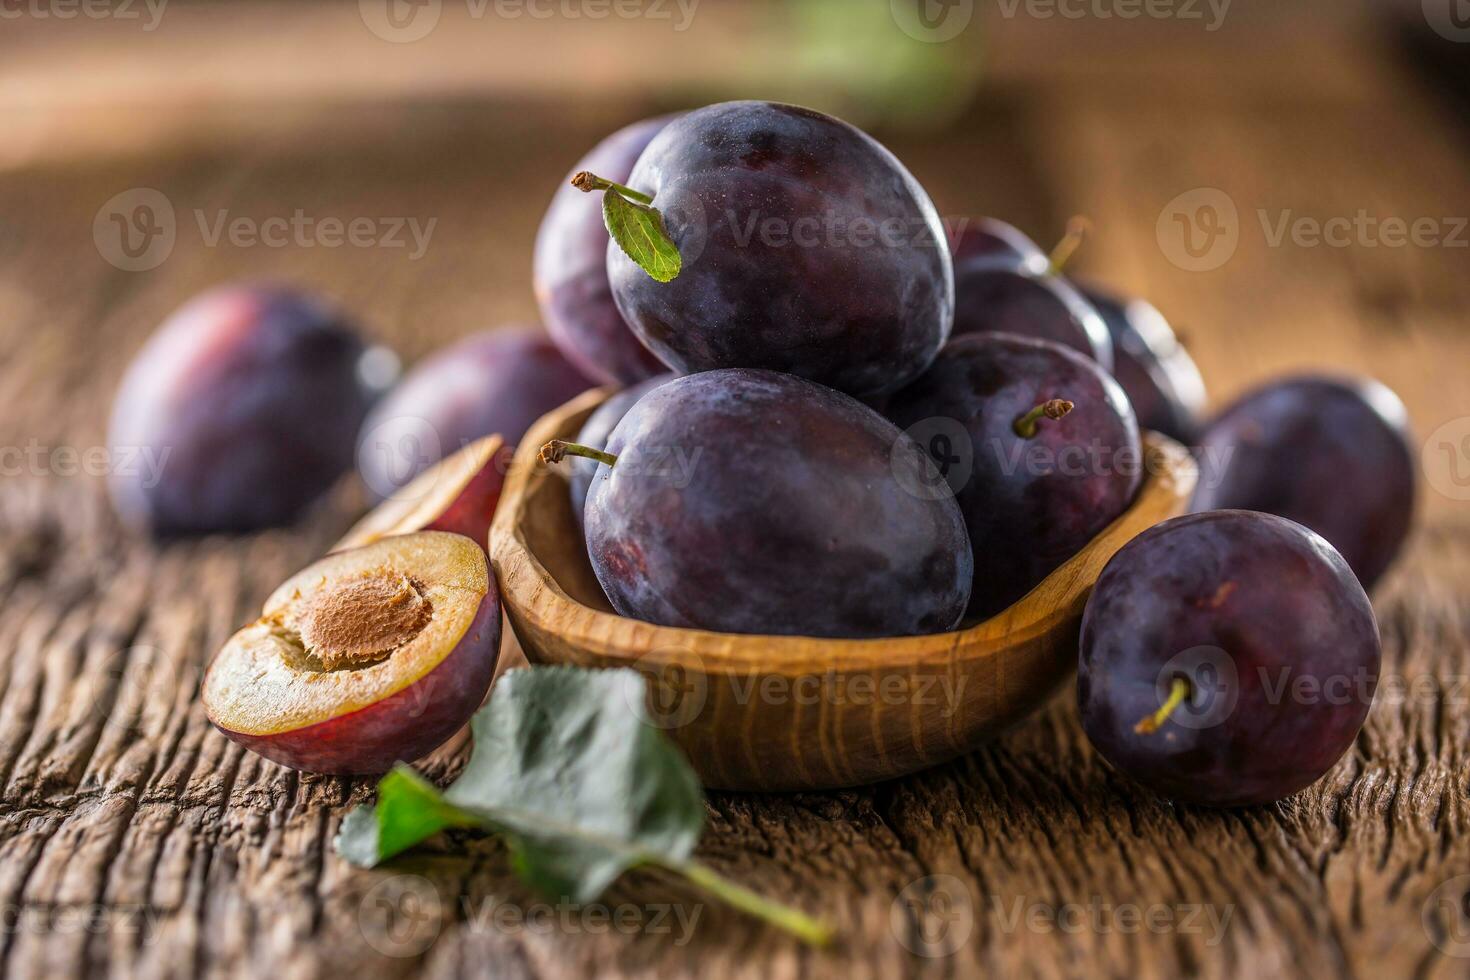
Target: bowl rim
{"type": "Point", "coordinates": [529, 590]}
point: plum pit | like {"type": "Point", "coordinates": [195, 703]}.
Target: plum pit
{"type": "Point", "coordinates": [361, 621]}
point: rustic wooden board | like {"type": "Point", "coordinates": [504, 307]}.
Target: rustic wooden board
{"type": "Point", "coordinates": [135, 840]}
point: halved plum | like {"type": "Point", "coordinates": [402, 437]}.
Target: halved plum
{"type": "Point", "coordinates": [366, 658]}
{"type": "Point", "coordinates": [458, 494]}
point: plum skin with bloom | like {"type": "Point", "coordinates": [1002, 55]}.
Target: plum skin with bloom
{"type": "Point", "coordinates": [754, 502]}
{"type": "Point", "coordinates": [249, 397]}
{"type": "Point", "coordinates": [570, 268]}
{"type": "Point", "coordinates": [1269, 630]}
{"type": "Point", "coordinates": [827, 296]}
{"type": "Point", "coordinates": [497, 382]}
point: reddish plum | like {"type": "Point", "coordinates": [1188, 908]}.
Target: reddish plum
{"type": "Point", "coordinates": [243, 405]}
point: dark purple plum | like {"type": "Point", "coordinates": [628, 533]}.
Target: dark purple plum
{"type": "Point", "coordinates": [1331, 453]}
{"type": "Point", "coordinates": [497, 382]}
{"type": "Point", "coordinates": [1039, 446]}
{"type": "Point", "coordinates": [1227, 659]}
{"type": "Point", "coordinates": [571, 269]}
{"type": "Point", "coordinates": [594, 433]}
{"type": "Point", "coordinates": [992, 240]}
{"type": "Point", "coordinates": [993, 297]}
{"type": "Point", "coordinates": [1155, 370]}
{"type": "Point", "coordinates": [747, 501]}
{"type": "Point", "coordinates": [807, 248]}
{"type": "Point", "coordinates": [241, 410]}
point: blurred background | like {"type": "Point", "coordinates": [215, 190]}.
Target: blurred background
{"type": "Point", "coordinates": [1239, 125]}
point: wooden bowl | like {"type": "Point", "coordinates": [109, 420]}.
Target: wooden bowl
{"type": "Point", "coordinates": [786, 712]}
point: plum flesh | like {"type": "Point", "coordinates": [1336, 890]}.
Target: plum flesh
{"type": "Point", "coordinates": [248, 399]}
{"type": "Point", "coordinates": [497, 382]}
{"type": "Point", "coordinates": [807, 248]}
{"type": "Point", "coordinates": [1331, 453]}
{"type": "Point", "coordinates": [1265, 633]}
{"type": "Point", "coordinates": [1030, 501]}
{"type": "Point", "coordinates": [747, 501]}
{"type": "Point", "coordinates": [571, 269]}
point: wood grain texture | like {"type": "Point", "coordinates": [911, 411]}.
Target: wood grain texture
{"type": "Point", "coordinates": [136, 841]}
{"type": "Point", "coordinates": [780, 713]}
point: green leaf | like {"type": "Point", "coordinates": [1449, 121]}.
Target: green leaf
{"type": "Point", "coordinates": [568, 770]}
{"type": "Point", "coordinates": [639, 231]}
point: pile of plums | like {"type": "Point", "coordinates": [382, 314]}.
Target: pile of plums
{"type": "Point", "coordinates": [835, 420]}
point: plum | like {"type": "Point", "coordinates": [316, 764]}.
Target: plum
{"type": "Point", "coordinates": [594, 433]}
{"type": "Point", "coordinates": [1041, 448]}
{"type": "Point", "coordinates": [747, 501]}
{"type": "Point", "coordinates": [571, 269]}
{"type": "Point", "coordinates": [1333, 454]}
{"type": "Point", "coordinates": [993, 297]}
{"type": "Point", "coordinates": [1159, 376]}
{"type": "Point", "coordinates": [248, 399]}
{"type": "Point", "coordinates": [458, 494]}
{"type": "Point", "coordinates": [369, 657]}
{"type": "Point", "coordinates": [992, 240]}
{"type": "Point", "coordinates": [497, 382]}
{"type": "Point", "coordinates": [1227, 659]}
{"type": "Point", "coordinates": [807, 248]}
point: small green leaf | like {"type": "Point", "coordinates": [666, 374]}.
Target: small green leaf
{"type": "Point", "coordinates": [639, 231]}
{"type": "Point", "coordinates": [568, 770]}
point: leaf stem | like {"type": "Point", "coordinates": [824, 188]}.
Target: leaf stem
{"type": "Point", "coordinates": [588, 182]}
{"type": "Point", "coordinates": [558, 449]}
{"type": "Point", "coordinates": [809, 930]}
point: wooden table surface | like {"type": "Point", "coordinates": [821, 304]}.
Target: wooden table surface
{"type": "Point", "coordinates": [135, 840]}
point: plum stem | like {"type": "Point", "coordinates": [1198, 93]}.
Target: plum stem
{"type": "Point", "coordinates": [558, 449]}
{"type": "Point", "coordinates": [1178, 692]}
{"type": "Point", "coordinates": [1077, 231]}
{"type": "Point", "coordinates": [587, 182]}
{"type": "Point", "coordinates": [1053, 409]}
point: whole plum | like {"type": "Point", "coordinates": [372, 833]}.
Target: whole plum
{"type": "Point", "coordinates": [594, 433]}
{"type": "Point", "coordinates": [570, 269]}
{"type": "Point", "coordinates": [240, 411]}
{"type": "Point", "coordinates": [1333, 454]}
{"type": "Point", "coordinates": [1227, 659]}
{"type": "Point", "coordinates": [747, 501]}
{"type": "Point", "coordinates": [1040, 448]}
{"type": "Point", "coordinates": [497, 382]}
{"type": "Point", "coordinates": [807, 248]}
